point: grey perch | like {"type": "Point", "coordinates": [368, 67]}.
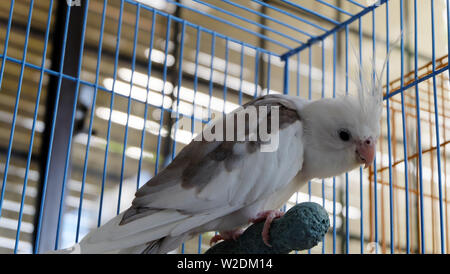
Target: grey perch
{"type": "Point", "coordinates": [302, 227]}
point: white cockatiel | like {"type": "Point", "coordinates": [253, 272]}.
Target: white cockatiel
{"type": "Point", "coordinates": [221, 185]}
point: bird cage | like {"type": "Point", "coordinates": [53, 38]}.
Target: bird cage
{"type": "Point", "coordinates": [412, 196]}
{"type": "Point", "coordinates": [98, 96]}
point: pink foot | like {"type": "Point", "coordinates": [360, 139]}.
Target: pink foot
{"type": "Point", "coordinates": [226, 235]}
{"type": "Point", "coordinates": [268, 216]}
{"type": "Point", "coordinates": [215, 239]}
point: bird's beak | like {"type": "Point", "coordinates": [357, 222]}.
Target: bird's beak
{"type": "Point", "coordinates": [366, 151]}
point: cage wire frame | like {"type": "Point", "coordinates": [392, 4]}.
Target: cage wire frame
{"type": "Point", "coordinates": [420, 92]}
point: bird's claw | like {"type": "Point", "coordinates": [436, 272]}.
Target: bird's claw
{"type": "Point", "coordinates": [226, 235]}
{"type": "Point", "coordinates": [268, 216]}
{"type": "Point", "coordinates": [215, 239]}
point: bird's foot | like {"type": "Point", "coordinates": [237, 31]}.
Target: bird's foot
{"type": "Point", "coordinates": [268, 216]}
{"type": "Point", "coordinates": [226, 235]}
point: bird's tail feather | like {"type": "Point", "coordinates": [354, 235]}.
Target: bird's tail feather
{"type": "Point", "coordinates": [164, 245]}
{"type": "Point", "coordinates": [171, 226]}
{"type": "Point", "coordinates": [113, 237]}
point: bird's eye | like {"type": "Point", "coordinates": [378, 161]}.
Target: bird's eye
{"type": "Point", "coordinates": [344, 135]}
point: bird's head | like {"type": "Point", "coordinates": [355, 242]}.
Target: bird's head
{"type": "Point", "coordinates": [343, 131]}
{"type": "Point", "coordinates": [342, 127]}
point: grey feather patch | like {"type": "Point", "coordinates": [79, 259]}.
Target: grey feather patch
{"type": "Point", "coordinates": [252, 146]}
{"type": "Point", "coordinates": [199, 173]}
{"type": "Point", "coordinates": [200, 161]}
{"type": "Point", "coordinates": [152, 247]}
{"type": "Point", "coordinates": [287, 111]}
{"type": "Point", "coordinates": [134, 213]}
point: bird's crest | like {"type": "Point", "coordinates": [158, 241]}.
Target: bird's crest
{"type": "Point", "coordinates": [370, 86]}
{"type": "Point", "coordinates": [370, 91]}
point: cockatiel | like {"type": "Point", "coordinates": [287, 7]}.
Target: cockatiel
{"type": "Point", "coordinates": [222, 185]}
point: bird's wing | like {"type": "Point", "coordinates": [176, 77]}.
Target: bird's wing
{"type": "Point", "coordinates": [211, 175]}
{"type": "Point", "coordinates": [208, 180]}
